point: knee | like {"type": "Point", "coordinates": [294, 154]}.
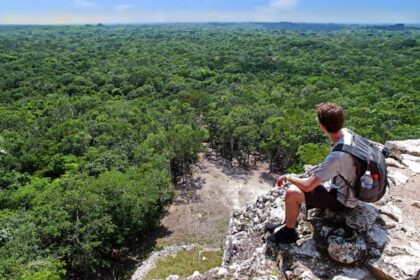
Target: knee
{"type": "Point", "coordinates": [294, 193]}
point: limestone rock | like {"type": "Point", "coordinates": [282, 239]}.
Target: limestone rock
{"type": "Point", "coordinates": [302, 271]}
{"type": "Point", "coordinates": [345, 251]}
{"type": "Point", "coordinates": [308, 168]}
{"type": "Point", "coordinates": [378, 236]}
{"type": "Point", "coordinates": [416, 204]}
{"type": "Point", "coordinates": [393, 212]}
{"type": "Point", "coordinates": [222, 272]}
{"type": "Point", "coordinates": [397, 263]}
{"type": "Point", "coordinates": [196, 273]}
{"type": "Point", "coordinates": [397, 178]}
{"type": "Point", "coordinates": [394, 163]}
{"type": "Point", "coordinates": [276, 215]}
{"type": "Point", "coordinates": [410, 157]}
{"type": "Point", "coordinates": [173, 277]}
{"type": "Point", "coordinates": [412, 165]}
{"type": "Point", "coordinates": [411, 147]}
{"type": "Point", "coordinates": [362, 217]}
{"type": "Point", "coordinates": [351, 274]}
{"type": "Point", "coordinates": [307, 248]}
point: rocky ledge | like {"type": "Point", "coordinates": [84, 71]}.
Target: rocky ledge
{"type": "Point", "coordinates": [371, 241]}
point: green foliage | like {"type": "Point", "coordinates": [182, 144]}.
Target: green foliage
{"type": "Point", "coordinates": [313, 153]}
{"type": "Point", "coordinates": [96, 122]}
{"type": "Point", "coordinates": [44, 270]}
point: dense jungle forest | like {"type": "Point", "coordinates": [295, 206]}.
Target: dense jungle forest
{"type": "Point", "coordinates": [98, 122]}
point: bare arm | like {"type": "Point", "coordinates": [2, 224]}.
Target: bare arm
{"type": "Point", "coordinates": [306, 184]}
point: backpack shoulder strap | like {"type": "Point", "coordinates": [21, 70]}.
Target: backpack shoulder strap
{"type": "Point", "coordinates": [348, 148]}
{"type": "Point", "coordinates": [348, 185]}
{"type": "Point", "coordinates": [338, 148]}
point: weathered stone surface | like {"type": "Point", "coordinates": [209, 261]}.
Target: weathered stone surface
{"type": "Point", "coordinates": [362, 217]}
{"type": "Point", "coordinates": [410, 157]}
{"type": "Point", "coordinates": [222, 272]}
{"type": "Point", "coordinates": [173, 277]}
{"type": "Point", "coordinates": [307, 248]}
{"type": "Point", "coordinates": [346, 251]}
{"type": "Point", "coordinates": [412, 165]}
{"type": "Point", "coordinates": [411, 147]}
{"type": "Point", "coordinates": [392, 211]}
{"type": "Point", "coordinates": [397, 178]}
{"type": "Point", "coordinates": [378, 236]}
{"type": "Point", "coordinates": [277, 214]}
{"type": "Point", "coordinates": [351, 274]}
{"type": "Point", "coordinates": [394, 163]}
{"type": "Point", "coordinates": [196, 273]}
{"type": "Point", "coordinates": [302, 271]}
{"type": "Point", "coordinates": [397, 262]}
{"type": "Point", "coordinates": [416, 204]}
{"type": "Point", "coordinates": [308, 168]}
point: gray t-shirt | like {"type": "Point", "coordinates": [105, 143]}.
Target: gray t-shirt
{"type": "Point", "coordinates": [339, 163]}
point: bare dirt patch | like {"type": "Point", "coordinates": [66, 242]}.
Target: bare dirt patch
{"type": "Point", "coordinates": [203, 206]}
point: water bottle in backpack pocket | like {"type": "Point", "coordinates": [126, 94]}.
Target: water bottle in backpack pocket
{"type": "Point", "coordinates": [369, 185]}
{"type": "Point", "coordinates": [366, 181]}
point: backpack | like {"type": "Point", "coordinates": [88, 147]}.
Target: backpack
{"type": "Point", "coordinates": [367, 156]}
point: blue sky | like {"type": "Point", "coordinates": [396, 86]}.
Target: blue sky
{"type": "Point", "coordinates": [151, 11]}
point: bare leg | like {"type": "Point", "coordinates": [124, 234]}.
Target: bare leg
{"type": "Point", "coordinates": [294, 198]}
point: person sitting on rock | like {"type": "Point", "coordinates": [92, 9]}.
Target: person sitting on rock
{"type": "Point", "coordinates": [325, 189]}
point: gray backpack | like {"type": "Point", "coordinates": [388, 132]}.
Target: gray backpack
{"type": "Point", "coordinates": [367, 156]}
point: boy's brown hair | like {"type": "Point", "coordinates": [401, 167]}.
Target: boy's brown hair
{"type": "Point", "coordinates": [331, 116]}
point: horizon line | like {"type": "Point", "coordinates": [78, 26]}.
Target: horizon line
{"type": "Point", "coordinates": [201, 22]}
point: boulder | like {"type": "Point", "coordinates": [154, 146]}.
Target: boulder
{"type": "Point", "coordinates": [397, 262]}
{"type": "Point", "coordinates": [362, 217]}
{"type": "Point", "coordinates": [351, 274]}
{"type": "Point", "coordinates": [222, 272]}
{"type": "Point", "coordinates": [394, 163]}
{"type": "Point", "coordinates": [347, 251]}
{"type": "Point", "coordinates": [377, 236]}
{"type": "Point", "coordinates": [392, 211]}
{"type": "Point", "coordinates": [412, 165]}
{"type": "Point", "coordinates": [411, 147]}
{"type": "Point", "coordinates": [196, 273]}
{"type": "Point", "coordinates": [410, 157]}
{"type": "Point", "coordinates": [306, 248]}
{"type": "Point", "coordinates": [397, 178]}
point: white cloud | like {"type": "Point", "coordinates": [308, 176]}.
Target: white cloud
{"type": "Point", "coordinates": [122, 7]}
{"type": "Point", "coordinates": [283, 4]}
{"type": "Point", "coordinates": [84, 3]}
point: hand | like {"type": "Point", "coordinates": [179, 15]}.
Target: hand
{"type": "Point", "coordinates": [280, 181]}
